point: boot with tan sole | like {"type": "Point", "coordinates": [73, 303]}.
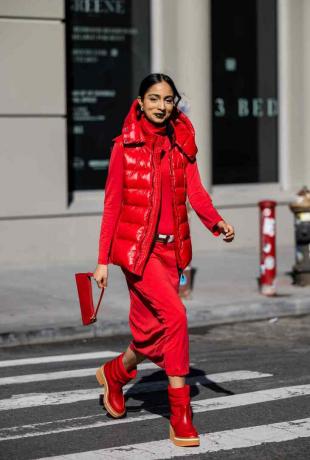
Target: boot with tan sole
{"type": "Point", "coordinates": [182, 431]}
{"type": "Point", "coordinates": [113, 376]}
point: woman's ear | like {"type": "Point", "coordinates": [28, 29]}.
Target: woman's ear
{"type": "Point", "coordinates": [140, 102]}
{"type": "Point", "coordinates": [139, 108]}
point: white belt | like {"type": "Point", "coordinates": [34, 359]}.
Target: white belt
{"type": "Point", "coordinates": [164, 238]}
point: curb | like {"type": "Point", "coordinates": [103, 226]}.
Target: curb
{"type": "Point", "coordinates": [206, 317]}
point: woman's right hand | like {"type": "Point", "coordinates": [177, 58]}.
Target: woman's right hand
{"type": "Point", "coordinates": [101, 275]}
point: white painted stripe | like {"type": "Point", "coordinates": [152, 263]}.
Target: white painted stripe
{"type": "Point", "coordinates": [212, 442]}
{"type": "Point", "coordinates": [58, 358]}
{"type": "Point", "coordinates": [47, 376]}
{"type": "Point", "coordinates": [204, 405]}
{"type": "Point", "coordinates": [21, 401]}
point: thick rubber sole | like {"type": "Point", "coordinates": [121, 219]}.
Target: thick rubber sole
{"type": "Point", "coordinates": [101, 378]}
{"type": "Point", "coordinates": [183, 442]}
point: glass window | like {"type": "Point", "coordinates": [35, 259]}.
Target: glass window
{"type": "Point", "coordinates": [108, 53]}
{"type": "Point", "coordinates": [244, 91]}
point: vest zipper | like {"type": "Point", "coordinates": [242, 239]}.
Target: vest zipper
{"type": "Point", "coordinates": [175, 215]}
{"type": "Point", "coordinates": [147, 241]}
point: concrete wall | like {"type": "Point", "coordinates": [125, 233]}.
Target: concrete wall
{"type": "Point", "coordinates": [33, 108]}
{"type": "Point", "coordinates": [40, 9]}
{"type": "Point", "coordinates": [32, 123]}
{"type": "Point", "coordinates": [306, 90]}
{"type": "Point", "coordinates": [294, 92]}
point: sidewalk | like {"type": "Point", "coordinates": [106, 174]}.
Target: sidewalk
{"type": "Point", "coordinates": [39, 304]}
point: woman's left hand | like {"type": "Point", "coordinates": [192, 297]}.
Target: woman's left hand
{"type": "Point", "coordinates": [227, 229]}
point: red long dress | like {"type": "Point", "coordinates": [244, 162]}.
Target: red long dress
{"type": "Point", "coordinates": [157, 316]}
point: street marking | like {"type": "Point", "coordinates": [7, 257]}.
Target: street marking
{"type": "Point", "coordinates": [203, 405]}
{"type": "Point", "coordinates": [21, 401]}
{"type": "Point", "coordinates": [58, 358]}
{"type": "Point", "coordinates": [47, 376]}
{"type": "Point", "coordinates": [213, 442]}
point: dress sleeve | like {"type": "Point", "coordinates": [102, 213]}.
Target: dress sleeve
{"type": "Point", "coordinates": [200, 199]}
{"type": "Point", "coordinates": [112, 202]}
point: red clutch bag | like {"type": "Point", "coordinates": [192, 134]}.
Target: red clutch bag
{"type": "Point", "coordinates": [85, 292]}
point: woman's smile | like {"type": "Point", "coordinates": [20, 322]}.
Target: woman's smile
{"type": "Point", "coordinates": [159, 115]}
{"type": "Point", "coordinates": [158, 102]}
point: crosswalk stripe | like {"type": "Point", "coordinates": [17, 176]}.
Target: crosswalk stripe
{"type": "Point", "coordinates": [213, 442]}
{"type": "Point", "coordinates": [20, 401]}
{"type": "Point", "coordinates": [74, 373]}
{"type": "Point", "coordinates": [200, 406]}
{"type": "Point", "coordinates": [58, 358]}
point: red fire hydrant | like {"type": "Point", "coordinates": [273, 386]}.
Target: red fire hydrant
{"type": "Point", "coordinates": [267, 247]}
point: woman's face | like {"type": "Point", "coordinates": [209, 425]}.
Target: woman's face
{"type": "Point", "coordinates": [158, 102]}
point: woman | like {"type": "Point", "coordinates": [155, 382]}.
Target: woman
{"type": "Point", "coordinates": [145, 231]}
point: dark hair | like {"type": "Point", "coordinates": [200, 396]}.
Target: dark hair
{"type": "Point", "coordinates": [154, 78]}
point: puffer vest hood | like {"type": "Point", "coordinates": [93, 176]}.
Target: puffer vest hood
{"type": "Point", "coordinates": [136, 225]}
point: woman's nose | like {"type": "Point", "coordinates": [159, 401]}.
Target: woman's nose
{"type": "Point", "coordinates": [161, 105]}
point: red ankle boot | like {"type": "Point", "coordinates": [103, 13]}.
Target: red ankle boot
{"type": "Point", "coordinates": [113, 375]}
{"type": "Point", "coordinates": [182, 431]}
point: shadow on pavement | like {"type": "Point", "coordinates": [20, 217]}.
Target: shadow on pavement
{"type": "Point", "coordinates": [157, 402]}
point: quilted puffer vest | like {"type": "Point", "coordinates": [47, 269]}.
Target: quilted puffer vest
{"type": "Point", "coordinates": [136, 225]}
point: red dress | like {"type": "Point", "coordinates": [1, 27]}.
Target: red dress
{"type": "Point", "coordinates": [157, 316]}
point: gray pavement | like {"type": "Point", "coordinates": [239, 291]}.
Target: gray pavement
{"type": "Point", "coordinates": [39, 304]}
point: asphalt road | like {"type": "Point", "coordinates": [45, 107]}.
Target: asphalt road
{"type": "Point", "coordinates": [250, 386]}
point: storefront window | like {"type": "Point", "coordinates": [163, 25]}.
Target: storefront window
{"type": "Point", "coordinates": [108, 53]}
{"type": "Point", "coordinates": [244, 91]}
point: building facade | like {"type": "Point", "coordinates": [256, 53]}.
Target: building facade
{"type": "Point", "coordinates": [244, 74]}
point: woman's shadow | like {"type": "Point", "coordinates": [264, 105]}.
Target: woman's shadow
{"type": "Point", "coordinates": [151, 391]}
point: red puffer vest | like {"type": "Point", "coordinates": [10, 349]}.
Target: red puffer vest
{"type": "Point", "coordinates": [136, 225]}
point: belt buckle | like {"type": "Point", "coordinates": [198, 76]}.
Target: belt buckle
{"type": "Point", "coordinates": [162, 238]}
